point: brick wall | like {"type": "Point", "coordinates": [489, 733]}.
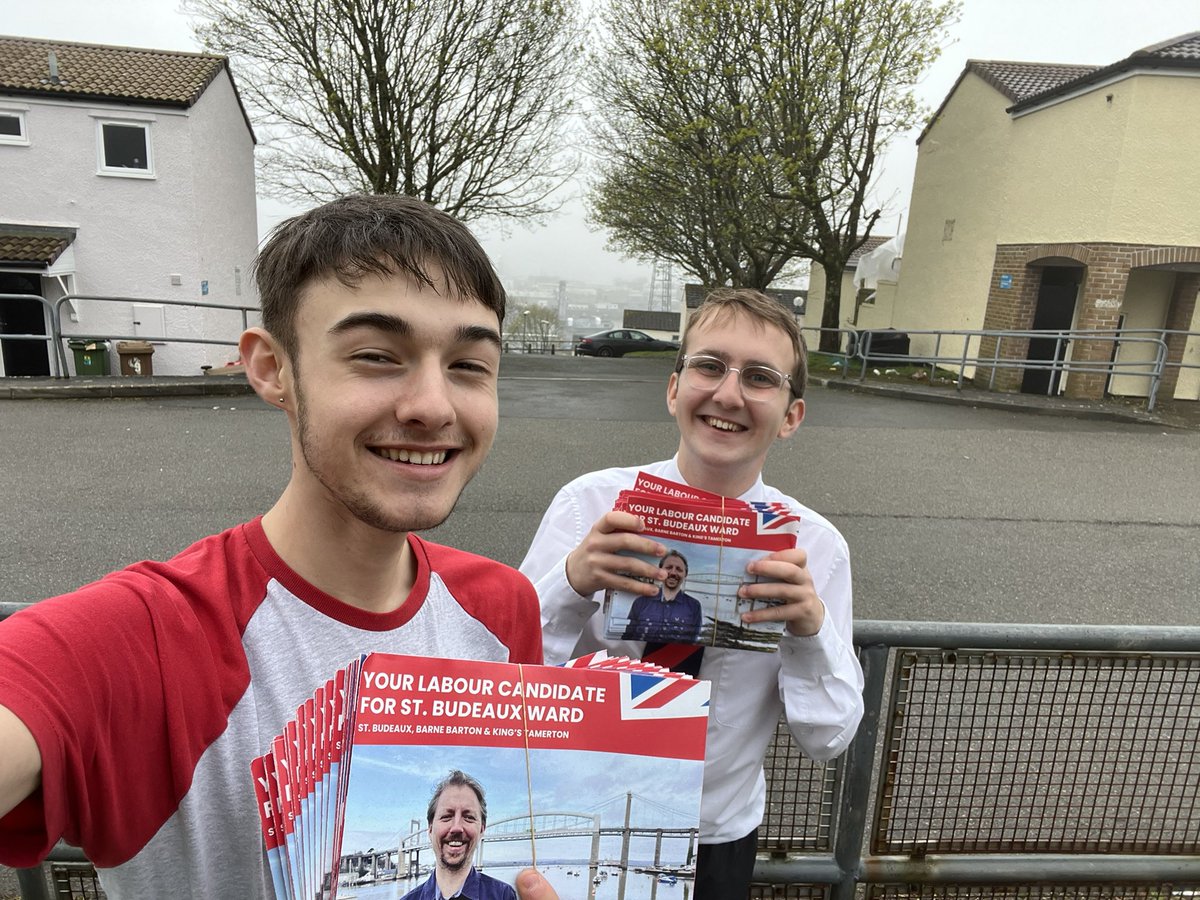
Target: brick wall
{"type": "Point", "coordinates": [1179, 317]}
{"type": "Point", "coordinates": [1101, 296]}
{"type": "Point", "coordinates": [1008, 309]}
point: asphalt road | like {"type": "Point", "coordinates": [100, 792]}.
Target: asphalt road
{"type": "Point", "coordinates": [951, 513]}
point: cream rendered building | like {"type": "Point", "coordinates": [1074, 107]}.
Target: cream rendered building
{"type": "Point", "coordinates": [1056, 197]}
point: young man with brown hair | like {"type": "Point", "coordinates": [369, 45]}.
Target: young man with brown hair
{"type": "Point", "coordinates": [130, 709]}
{"type": "Point", "coordinates": [738, 386]}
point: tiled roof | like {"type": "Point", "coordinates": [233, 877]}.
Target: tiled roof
{"type": "Point", "coordinates": [1186, 46]}
{"type": "Point", "coordinates": [156, 77]}
{"type": "Point", "coordinates": [1020, 80]}
{"type": "Point", "coordinates": [32, 246]}
{"type": "Point", "coordinates": [1028, 84]}
{"type": "Point", "coordinates": [868, 245]}
{"type": "Point", "coordinates": [1181, 52]}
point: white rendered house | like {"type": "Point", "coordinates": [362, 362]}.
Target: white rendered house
{"type": "Point", "coordinates": [124, 173]}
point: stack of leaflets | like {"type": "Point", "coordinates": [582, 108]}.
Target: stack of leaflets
{"type": "Point", "coordinates": [710, 540]}
{"type": "Point", "coordinates": [590, 770]}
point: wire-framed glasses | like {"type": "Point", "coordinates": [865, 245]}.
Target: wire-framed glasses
{"type": "Point", "coordinates": [706, 373]}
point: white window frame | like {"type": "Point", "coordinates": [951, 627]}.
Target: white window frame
{"type": "Point", "coordinates": [19, 140]}
{"type": "Point", "coordinates": [102, 168]}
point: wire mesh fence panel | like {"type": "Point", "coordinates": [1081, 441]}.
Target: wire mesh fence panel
{"type": "Point", "coordinates": [800, 798]}
{"type": "Point", "coordinates": [75, 881]}
{"type": "Point", "coordinates": [1032, 752]}
{"type": "Point", "coordinates": [1029, 892]}
{"type": "Point", "coordinates": [788, 892]}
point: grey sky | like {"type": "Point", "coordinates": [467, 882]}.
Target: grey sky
{"type": "Point", "coordinates": [1069, 31]}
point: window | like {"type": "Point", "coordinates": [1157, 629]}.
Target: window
{"type": "Point", "coordinates": [125, 149]}
{"type": "Point", "coordinates": [12, 127]}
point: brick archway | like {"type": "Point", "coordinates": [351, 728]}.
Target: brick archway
{"type": "Point", "coordinates": [1013, 296]}
{"type": "Point", "coordinates": [1078, 252]}
{"type": "Point", "coordinates": [1164, 256]}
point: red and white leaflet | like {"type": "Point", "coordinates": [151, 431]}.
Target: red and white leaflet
{"type": "Point", "coordinates": [714, 542]}
{"type": "Point", "coordinates": [267, 820]}
{"type": "Point", "coordinates": [388, 728]}
{"type": "Point", "coordinates": [286, 806]}
{"type": "Point", "coordinates": [532, 736]}
{"type": "Point", "coordinates": [405, 700]}
{"type": "Point", "coordinates": [588, 659]}
{"type": "Point", "coordinates": [346, 681]}
{"type": "Point", "coordinates": [305, 771]}
{"type": "Point", "coordinates": [652, 485]}
{"type": "Point", "coordinates": [320, 777]}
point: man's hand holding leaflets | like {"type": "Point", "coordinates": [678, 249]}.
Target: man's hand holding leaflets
{"type": "Point", "coordinates": [667, 545]}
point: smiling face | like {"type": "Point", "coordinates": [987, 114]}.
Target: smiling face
{"type": "Point", "coordinates": [676, 573]}
{"type": "Point", "coordinates": [396, 405]}
{"type": "Point", "coordinates": [724, 438]}
{"type": "Point", "coordinates": [456, 827]}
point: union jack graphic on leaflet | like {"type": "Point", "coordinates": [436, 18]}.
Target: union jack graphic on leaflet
{"type": "Point", "coordinates": [655, 697]}
{"type": "Point", "coordinates": [772, 517]}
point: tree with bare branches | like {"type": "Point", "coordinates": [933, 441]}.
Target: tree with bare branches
{"type": "Point", "coordinates": [462, 103]}
{"type": "Point", "coordinates": [736, 136]}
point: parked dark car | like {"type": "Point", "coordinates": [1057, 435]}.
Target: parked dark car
{"type": "Point", "coordinates": [620, 342]}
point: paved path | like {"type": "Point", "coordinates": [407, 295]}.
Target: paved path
{"type": "Point", "coordinates": [952, 512]}
{"type": "Point", "coordinates": [973, 508]}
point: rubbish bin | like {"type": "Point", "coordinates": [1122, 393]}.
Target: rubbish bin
{"type": "Point", "coordinates": [135, 358]}
{"type": "Point", "coordinates": [91, 357]}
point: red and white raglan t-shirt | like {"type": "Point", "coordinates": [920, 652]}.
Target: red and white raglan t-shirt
{"type": "Point", "coordinates": [150, 691]}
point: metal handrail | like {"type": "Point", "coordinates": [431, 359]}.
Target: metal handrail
{"type": "Point", "coordinates": [848, 866]}
{"type": "Point", "coordinates": [847, 333]}
{"type": "Point", "coordinates": [197, 304]}
{"type": "Point", "coordinates": [56, 338]}
{"type": "Point", "coordinates": [60, 361]}
{"type": "Point", "coordinates": [1152, 369]}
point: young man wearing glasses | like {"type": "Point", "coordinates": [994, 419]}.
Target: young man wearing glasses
{"type": "Point", "coordinates": [736, 389]}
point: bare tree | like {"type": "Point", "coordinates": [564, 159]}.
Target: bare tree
{"type": "Point", "coordinates": [463, 103]}
{"type": "Point", "coordinates": [532, 325]}
{"type": "Point", "coordinates": [736, 136]}
{"type": "Point", "coordinates": [679, 172]}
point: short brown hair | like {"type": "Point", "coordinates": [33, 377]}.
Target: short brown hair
{"type": "Point", "coordinates": [759, 307]}
{"type": "Point", "coordinates": [363, 234]}
{"type": "Point", "coordinates": [678, 555]}
{"type": "Point", "coordinates": [457, 778]}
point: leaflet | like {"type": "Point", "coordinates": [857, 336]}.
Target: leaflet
{"type": "Point", "coordinates": [591, 771]}
{"type": "Point", "coordinates": [710, 541]}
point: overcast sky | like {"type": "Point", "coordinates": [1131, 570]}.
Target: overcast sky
{"type": "Point", "coordinates": [1093, 32]}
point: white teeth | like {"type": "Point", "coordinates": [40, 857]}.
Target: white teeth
{"type": "Point", "coordinates": [722, 424]}
{"type": "Point", "coordinates": [412, 456]}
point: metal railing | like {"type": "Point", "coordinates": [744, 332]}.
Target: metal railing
{"type": "Point", "coordinates": [1020, 757]}
{"type": "Point", "coordinates": [1024, 757]}
{"type": "Point", "coordinates": [519, 343]}
{"type": "Point", "coordinates": [55, 339]}
{"type": "Point", "coordinates": [959, 351]}
{"type": "Point", "coordinates": [58, 369]}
